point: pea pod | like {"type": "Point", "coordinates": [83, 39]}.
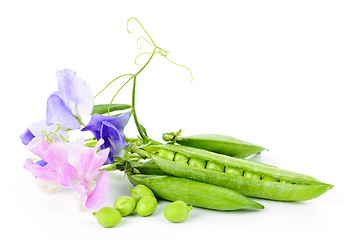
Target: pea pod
{"type": "Point", "coordinates": [221, 144]}
{"type": "Point", "coordinates": [249, 178]}
{"type": "Point", "coordinates": [194, 193]}
{"type": "Point", "coordinates": [103, 108]}
{"type": "Point", "coordinates": [149, 167]}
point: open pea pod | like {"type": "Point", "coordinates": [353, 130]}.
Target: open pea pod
{"type": "Point", "coordinates": [249, 178]}
{"type": "Point", "coordinates": [221, 144]}
{"type": "Point", "coordinates": [194, 193]}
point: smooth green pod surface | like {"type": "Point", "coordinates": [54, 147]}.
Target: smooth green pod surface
{"type": "Point", "coordinates": [149, 167]}
{"type": "Point", "coordinates": [221, 144]}
{"type": "Point", "coordinates": [194, 193]}
{"type": "Point", "coordinates": [103, 108]}
{"type": "Point", "coordinates": [249, 178]}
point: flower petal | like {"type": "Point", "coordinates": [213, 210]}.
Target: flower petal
{"type": "Point", "coordinates": [111, 129]}
{"type": "Point", "coordinates": [57, 112]}
{"type": "Point", "coordinates": [108, 129]}
{"type": "Point", "coordinates": [41, 163]}
{"type": "Point", "coordinates": [97, 197]}
{"type": "Point", "coordinates": [38, 128]}
{"type": "Point", "coordinates": [66, 175]}
{"type": "Point", "coordinates": [45, 173]}
{"type": "Point", "coordinates": [39, 146]}
{"type": "Point", "coordinates": [27, 136]}
{"type": "Point", "coordinates": [28, 163]}
{"type": "Point", "coordinates": [75, 92]}
{"type": "Point", "coordinates": [120, 122]}
{"type": "Point", "coordinates": [98, 159]}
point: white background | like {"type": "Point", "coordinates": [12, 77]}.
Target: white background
{"type": "Point", "coordinates": [282, 74]}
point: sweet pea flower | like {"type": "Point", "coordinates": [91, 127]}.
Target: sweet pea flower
{"type": "Point", "coordinates": [111, 129]}
{"type": "Point", "coordinates": [71, 165]}
{"type": "Point", "coordinates": [73, 99]}
{"type": "Point", "coordinates": [39, 128]}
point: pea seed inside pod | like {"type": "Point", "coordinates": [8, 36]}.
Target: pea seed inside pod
{"type": "Point", "coordinates": [270, 179]}
{"type": "Point", "coordinates": [181, 158]}
{"type": "Point", "coordinates": [252, 175]}
{"type": "Point", "coordinates": [167, 154]}
{"type": "Point", "coordinates": [196, 162]}
{"type": "Point", "coordinates": [234, 171]}
{"type": "Point", "coordinates": [215, 167]}
{"type": "Point", "coordinates": [177, 211]}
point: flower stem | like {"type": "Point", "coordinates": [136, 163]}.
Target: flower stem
{"type": "Point", "coordinates": [140, 128]}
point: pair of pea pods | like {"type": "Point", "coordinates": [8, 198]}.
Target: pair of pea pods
{"type": "Point", "coordinates": [208, 172]}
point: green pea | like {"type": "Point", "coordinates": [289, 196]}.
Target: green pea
{"type": "Point", "coordinates": [181, 158]}
{"type": "Point", "coordinates": [177, 211]}
{"type": "Point", "coordinates": [108, 217]}
{"type": "Point", "coordinates": [270, 179]}
{"type": "Point", "coordinates": [140, 191]}
{"type": "Point", "coordinates": [125, 205]}
{"type": "Point", "coordinates": [284, 181]}
{"type": "Point", "coordinates": [196, 162]}
{"type": "Point", "coordinates": [252, 175]}
{"type": "Point", "coordinates": [215, 167]}
{"type": "Point", "coordinates": [234, 171]}
{"type": "Point", "coordinates": [146, 206]}
{"type": "Point", "coordinates": [167, 154]}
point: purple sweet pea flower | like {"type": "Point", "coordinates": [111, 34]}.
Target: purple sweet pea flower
{"type": "Point", "coordinates": [73, 99]}
{"type": "Point", "coordinates": [111, 129]}
{"type": "Point", "coordinates": [37, 129]}
{"type": "Point", "coordinates": [64, 108]}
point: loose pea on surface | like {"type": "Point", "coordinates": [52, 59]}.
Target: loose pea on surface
{"type": "Point", "coordinates": [108, 217]}
{"type": "Point", "coordinates": [125, 205]}
{"type": "Point", "coordinates": [140, 191]}
{"type": "Point", "coordinates": [177, 211]}
{"type": "Point", "coordinates": [146, 206]}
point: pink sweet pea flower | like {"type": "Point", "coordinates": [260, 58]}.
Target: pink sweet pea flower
{"type": "Point", "coordinates": [72, 165]}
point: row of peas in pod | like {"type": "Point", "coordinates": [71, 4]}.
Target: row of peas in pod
{"type": "Point", "coordinates": [143, 201]}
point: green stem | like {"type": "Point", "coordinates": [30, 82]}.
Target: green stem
{"type": "Point", "coordinates": [162, 52]}
{"type": "Point", "coordinates": [107, 168]}
{"type": "Point", "coordinates": [111, 83]}
{"type": "Point", "coordinates": [112, 100]}
{"type": "Point", "coordinates": [80, 121]}
{"type": "Point", "coordinates": [138, 126]}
